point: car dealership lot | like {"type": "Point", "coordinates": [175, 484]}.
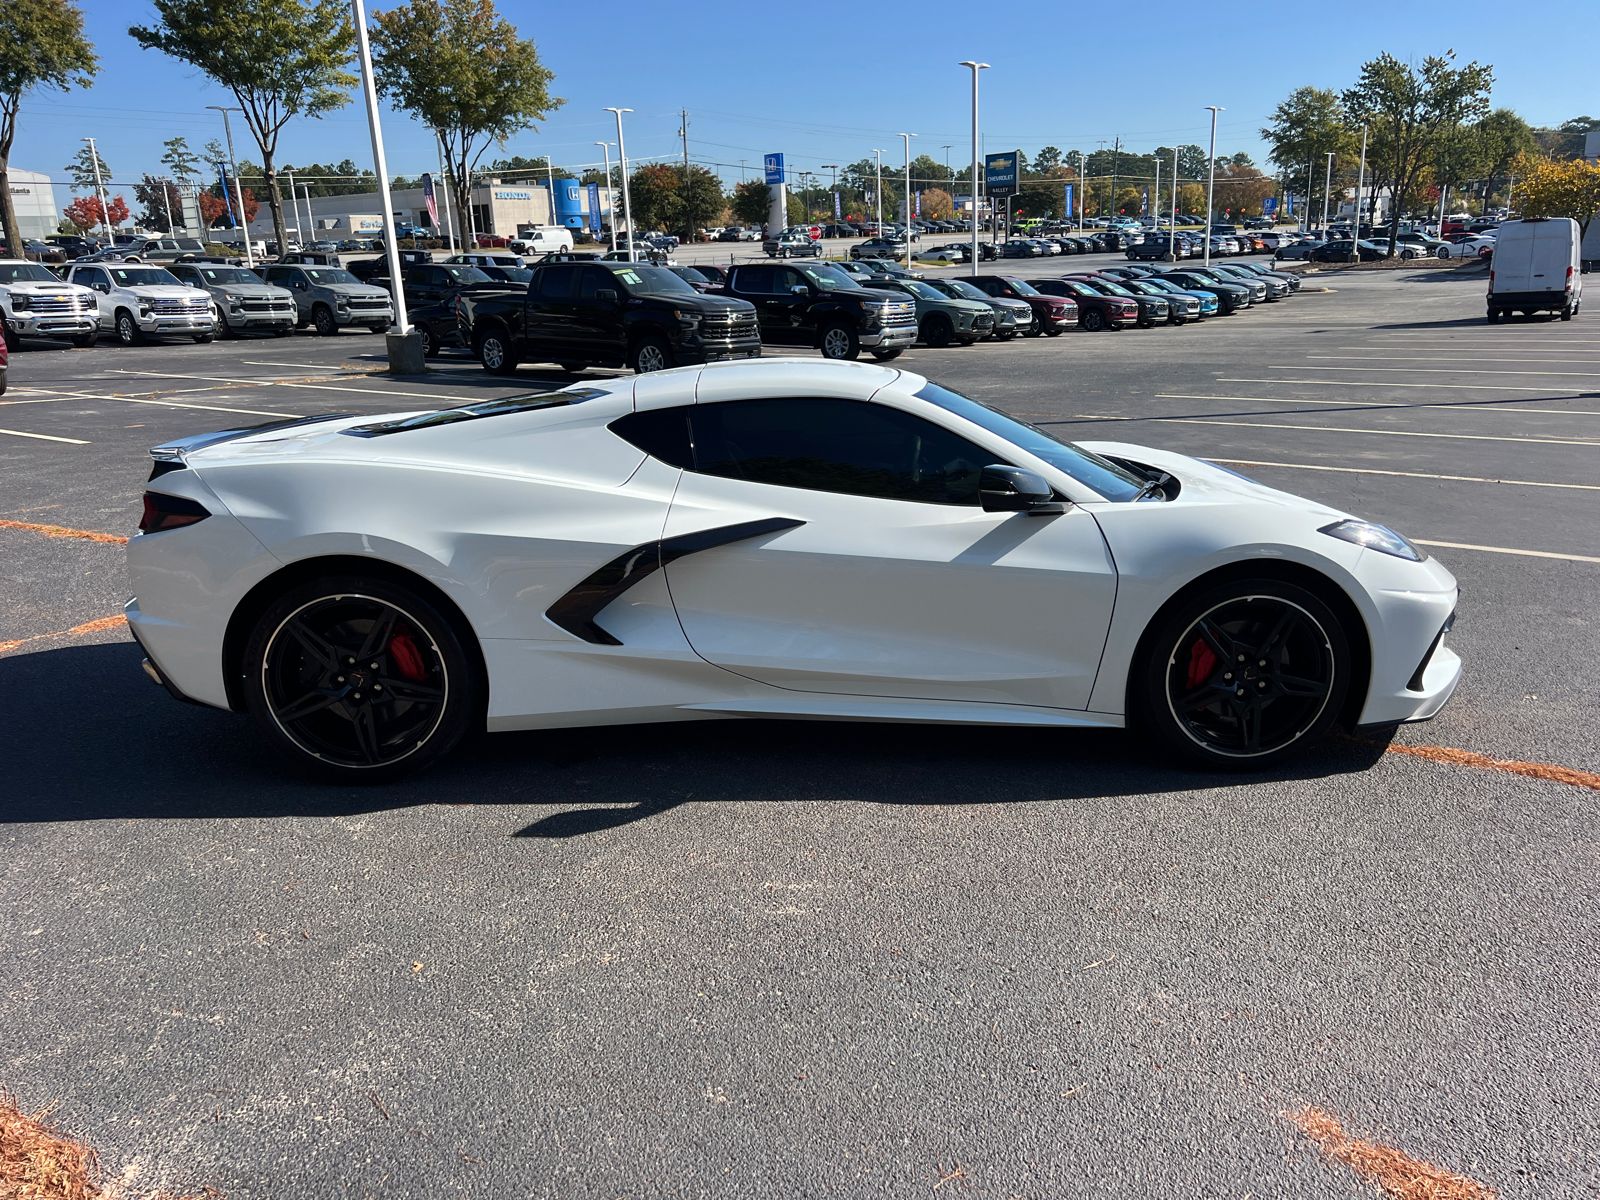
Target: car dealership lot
{"type": "Point", "coordinates": [740, 958]}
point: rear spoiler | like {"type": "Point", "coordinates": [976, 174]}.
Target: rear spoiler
{"type": "Point", "coordinates": [178, 449]}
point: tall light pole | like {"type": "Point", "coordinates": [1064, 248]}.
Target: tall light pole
{"type": "Point", "coordinates": [877, 192]}
{"type": "Point", "coordinates": [99, 189]}
{"type": "Point", "coordinates": [1361, 176]}
{"type": "Point", "coordinates": [834, 188]}
{"type": "Point", "coordinates": [1172, 235]}
{"type": "Point", "coordinates": [948, 174]}
{"type": "Point", "coordinates": [1211, 179]}
{"type": "Point", "coordinates": [622, 159]}
{"type": "Point", "coordinates": [605, 149]}
{"type": "Point", "coordinates": [444, 186]}
{"type": "Point", "coordinates": [238, 185]}
{"type": "Point", "coordinates": [908, 137]}
{"type": "Point", "coordinates": [398, 336]}
{"type": "Point", "coordinates": [1327, 187]}
{"type": "Point", "coordinates": [294, 207]}
{"type": "Point", "coordinates": [976, 67]}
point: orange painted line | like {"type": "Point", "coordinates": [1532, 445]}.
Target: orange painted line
{"type": "Point", "coordinates": [97, 626]}
{"type": "Point", "coordinates": [1466, 758]}
{"type": "Point", "coordinates": [61, 531]}
{"type": "Point", "coordinates": [1395, 1171]}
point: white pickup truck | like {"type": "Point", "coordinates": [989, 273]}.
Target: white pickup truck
{"type": "Point", "coordinates": [137, 302]}
{"type": "Point", "coordinates": [34, 302]}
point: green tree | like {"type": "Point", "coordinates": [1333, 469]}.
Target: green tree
{"type": "Point", "coordinates": [701, 199]}
{"type": "Point", "coordinates": [1406, 110]}
{"type": "Point", "coordinates": [1505, 138]}
{"type": "Point", "coordinates": [81, 169]}
{"type": "Point", "coordinates": [41, 46]}
{"type": "Point", "coordinates": [750, 201]}
{"type": "Point", "coordinates": [459, 67]}
{"type": "Point", "coordinates": [1566, 140]}
{"type": "Point", "coordinates": [1047, 160]}
{"type": "Point", "coordinates": [280, 58]}
{"type": "Point", "coordinates": [653, 193]}
{"type": "Point", "coordinates": [1192, 163]}
{"type": "Point", "coordinates": [1303, 130]}
{"type": "Point", "coordinates": [155, 196]}
{"type": "Point", "coordinates": [181, 163]}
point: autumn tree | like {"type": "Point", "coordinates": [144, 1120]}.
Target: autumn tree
{"type": "Point", "coordinates": [1240, 191]}
{"type": "Point", "coordinates": [281, 59]}
{"type": "Point", "coordinates": [937, 204]}
{"type": "Point", "coordinates": [158, 198]}
{"type": "Point", "coordinates": [460, 69]}
{"type": "Point", "coordinates": [1558, 188]}
{"type": "Point", "coordinates": [1407, 110]}
{"type": "Point", "coordinates": [214, 207]}
{"type": "Point", "coordinates": [86, 213]}
{"type": "Point", "coordinates": [41, 47]}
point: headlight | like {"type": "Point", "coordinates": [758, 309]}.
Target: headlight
{"type": "Point", "coordinates": [687, 319]}
{"type": "Point", "coordinates": [21, 303]}
{"type": "Point", "coordinates": [1373, 537]}
{"type": "Point", "coordinates": [342, 301]}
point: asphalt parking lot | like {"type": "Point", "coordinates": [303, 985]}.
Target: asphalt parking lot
{"type": "Point", "coordinates": [762, 958]}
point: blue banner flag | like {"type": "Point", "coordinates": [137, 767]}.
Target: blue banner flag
{"type": "Point", "coordinates": [429, 199]}
{"type": "Point", "coordinates": [1068, 188]}
{"type": "Point", "coordinates": [594, 208]}
{"type": "Point", "coordinates": [837, 212]}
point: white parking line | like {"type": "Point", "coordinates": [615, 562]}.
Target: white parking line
{"type": "Point", "coordinates": [44, 437]}
{"type": "Point", "coordinates": [1412, 358]}
{"type": "Point", "coordinates": [1460, 437]}
{"type": "Point", "coordinates": [1434, 370]}
{"type": "Point", "coordinates": [250, 362]}
{"type": "Point", "coordinates": [1250, 462]}
{"type": "Point", "coordinates": [249, 412]}
{"type": "Point", "coordinates": [1508, 550]}
{"type": "Point", "coordinates": [324, 387]}
{"type": "Point", "coordinates": [1387, 383]}
{"type": "Point", "coordinates": [1462, 408]}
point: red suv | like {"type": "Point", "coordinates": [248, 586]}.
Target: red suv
{"type": "Point", "coordinates": [1096, 310]}
{"type": "Point", "coordinates": [1051, 314]}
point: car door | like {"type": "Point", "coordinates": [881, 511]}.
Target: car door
{"type": "Point", "coordinates": [552, 309]}
{"type": "Point", "coordinates": [893, 581]}
{"type": "Point", "coordinates": [758, 285]}
{"type": "Point", "coordinates": [294, 279]}
{"type": "Point", "coordinates": [596, 329]}
{"type": "Point", "coordinates": [96, 278]}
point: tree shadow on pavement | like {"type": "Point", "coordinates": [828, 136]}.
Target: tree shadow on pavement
{"type": "Point", "coordinates": [88, 737]}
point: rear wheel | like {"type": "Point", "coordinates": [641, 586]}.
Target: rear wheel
{"type": "Point", "coordinates": [841, 343]}
{"type": "Point", "coordinates": [1566, 313]}
{"type": "Point", "coordinates": [1245, 674]}
{"type": "Point", "coordinates": [1493, 316]}
{"type": "Point", "coordinates": [1093, 320]}
{"type": "Point", "coordinates": [358, 680]}
{"type": "Point", "coordinates": [430, 341]}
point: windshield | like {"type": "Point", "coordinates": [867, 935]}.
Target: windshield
{"type": "Point", "coordinates": [1165, 285]}
{"type": "Point", "coordinates": [962, 290]}
{"type": "Point", "coordinates": [27, 272]}
{"type": "Point", "coordinates": [1116, 289]}
{"type": "Point", "coordinates": [653, 281]}
{"type": "Point", "coordinates": [224, 275]}
{"type": "Point", "coordinates": [918, 288]}
{"type": "Point", "coordinates": [463, 274]}
{"type": "Point", "coordinates": [1105, 477]}
{"type": "Point", "coordinates": [829, 278]}
{"type": "Point", "coordinates": [511, 274]}
{"type": "Point", "coordinates": [140, 276]}
{"type": "Point", "coordinates": [327, 275]}
{"type": "Point", "coordinates": [1022, 289]}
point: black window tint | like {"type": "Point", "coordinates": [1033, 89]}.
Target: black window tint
{"type": "Point", "coordinates": [661, 433]}
{"type": "Point", "coordinates": [991, 286]}
{"type": "Point", "coordinates": [556, 283]}
{"type": "Point", "coordinates": [755, 279]}
{"type": "Point", "coordinates": [786, 278]}
{"type": "Point", "coordinates": [595, 281]}
{"type": "Point", "coordinates": [837, 446]}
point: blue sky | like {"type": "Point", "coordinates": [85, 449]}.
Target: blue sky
{"type": "Point", "coordinates": [830, 88]}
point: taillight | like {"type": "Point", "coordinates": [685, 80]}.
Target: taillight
{"type": "Point", "coordinates": [163, 512]}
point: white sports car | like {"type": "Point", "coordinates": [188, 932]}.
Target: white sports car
{"type": "Point", "coordinates": [782, 538]}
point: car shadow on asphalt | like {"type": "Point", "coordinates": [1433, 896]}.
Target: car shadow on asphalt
{"type": "Point", "coordinates": [89, 737]}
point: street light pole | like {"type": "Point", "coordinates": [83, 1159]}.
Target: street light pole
{"type": "Point", "coordinates": [1327, 187]}
{"type": "Point", "coordinates": [976, 67]}
{"type": "Point", "coordinates": [877, 192]}
{"type": "Point", "coordinates": [908, 137]}
{"type": "Point", "coordinates": [1211, 180]}
{"type": "Point", "coordinates": [622, 159]}
{"type": "Point", "coordinates": [1361, 176]}
{"type": "Point", "coordinates": [294, 207]}
{"type": "Point", "coordinates": [238, 184]}
{"type": "Point", "coordinates": [838, 213]}
{"type": "Point", "coordinates": [444, 186]}
{"type": "Point", "coordinates": [99, 190]}
{"type": "Point", "coordinates": [1172, 235]}
{"type": "Point", "coordinates": [605, 149]}
{"type": "Point", "coordinates": [402, 345]}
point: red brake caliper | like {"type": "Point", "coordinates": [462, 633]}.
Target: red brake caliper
{"type": "Point", "coordinates": [409, 661]}
{"type": "Point", "coordinates": [1202, 661]}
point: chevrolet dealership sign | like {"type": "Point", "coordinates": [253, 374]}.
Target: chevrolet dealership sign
{"type": "Point", "coordinates": [1000, 172]}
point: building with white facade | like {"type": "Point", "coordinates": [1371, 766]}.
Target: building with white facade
{"type": "Point", "coordinates": [34, 197]}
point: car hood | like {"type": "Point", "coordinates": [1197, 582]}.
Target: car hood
{"type": "Point", "coordinates": [708, 303]}
{"type": "Point", "coordinates": [1208, 481]}
{"type": "Point", "coordinates": [167, 291]}
{"type": "Point", "coordinates": [252, 291]}
{"type": "Point", "coordinates": [35, 287]}
{"type": "Point", "coordinates": [353, 289]}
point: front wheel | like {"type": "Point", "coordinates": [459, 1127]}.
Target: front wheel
{"type": "Point", "coordinates": [841, 343]}
{"type": "Point", "coordinates": [322, 318]}
{"type": "Point", "coordinates": [888, 355]}
{"type": "Point", "coordinates": [358, 680]}
{"type": "Point", "coordinates": [1442, 252]}
{"type": "Point", "coordinates": [128, 331]}
{"type": "Point", "coordinates": [937, 331]}
{"type": "Point", "coordinates": [84, 340]}
{"type": "Point", "coordinates": [1243, 675]}
{"type": "Point", "coordinates": [203, 338]}
{"type": "Point", "coordinates": [1093, 320]}
{"type": "Point", "coordinates": [430, 341]}
{"type": "Point", "coordinates": [652, 354]}
{"type": "Point", "coordinates": [494, 352]}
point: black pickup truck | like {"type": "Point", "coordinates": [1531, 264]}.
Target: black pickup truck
{"type": "Point", "coordinates": [604, 314]}
{"type": "Point", "coordinates": [819, 305]}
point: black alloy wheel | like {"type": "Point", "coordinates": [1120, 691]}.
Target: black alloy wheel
{"type": "Point", "coordinates": [322, 318]}
{"type": "Point", "coordinates": [1247, 674]}
{"type": "Point", "coordinates": [358, 679]}
{"type": "Point", "coordinates": [430, 343]}
{"type": "Point", "coordinates": [937, 331]}
{"type": "Point", "coordinates": [1092, 320]}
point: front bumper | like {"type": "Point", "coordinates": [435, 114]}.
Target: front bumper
{"type": "Point", "coordinates": [260, 320]}
{"type": "Point", "coordinates": [30, 324]}
{"type": "Point", "coordinates": [374, 317]}
{"type": "Point", "coordinates": [178, 323]}
{"type": "Point", "coordinates": [890, 336]}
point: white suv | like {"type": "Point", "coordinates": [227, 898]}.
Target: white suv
{"type": "Point", "coordinates": [35, 303]}
{"type": "Point", "coordinates": [137, 302]}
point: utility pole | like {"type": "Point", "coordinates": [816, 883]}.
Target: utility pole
{"type": "Point", "coordinates": [688, 217]}
{"type": "Point", "coordinates": [611, 194]}
{"type": "Point", "coordinates": [238, 186]}
{"type": "Point", "coordinates": [444, 179]}
{"type": "Point", "coordinates": [1327, 186]}
{"type": "Point", "coordinates": [1211, 181]}
{"type": "Point", "coordinates": [1172, 235]}
{"type": "Point", "coordinates": [908, 137]}
{"type": "Point", "coordinates": [1116, 163]}
{"type": "Point", "coordinates": [622, 159]}
{"type": "Point", "coordinates": [1155, 209]}
{"type": "Point", "coordinates": [838, 209]}
{"type": "Point", "coordinates": [877, 192]}
{"type": "Point", "coordinates": [99, 190]}
{"type": "Point", "coordinates": [976, 67]}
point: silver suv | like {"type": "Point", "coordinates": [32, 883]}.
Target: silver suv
{"type": "Point", "coordinates": [243, 301]}
{"type": "Point", "coordinates": [138, 301]}
{"type": "Point", "coordinates": [331, 298]}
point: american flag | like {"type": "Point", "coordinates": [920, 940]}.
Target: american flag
{"type": "Point", "coordinates": [433, 204]}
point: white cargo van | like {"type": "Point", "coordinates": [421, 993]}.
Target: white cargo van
{"type": "Point", "coordinates": [1536, 268]}
{"type": "Point", "coordinates": [542, 240]}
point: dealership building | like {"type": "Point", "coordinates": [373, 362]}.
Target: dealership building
{"type": "Point", "coordinates": [499, 209]}
{"type": "Point", "coordinates": [34, 199]}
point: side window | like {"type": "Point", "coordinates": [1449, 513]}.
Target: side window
{"type": "Point", "coordinates": [594, 281]}
{"type": "Point", "coordinates": [785, 278]}
{"type": "Point", "coordinates": [556, 283]}
{"type": "Point", "coordinates": [845, 446]}
{"type": "Point", "coordinates": [991, 286]}
{"type": "Point", "coordinates": [277, 275]}
{"type": "Point", "coordinates": [756, 280]}
{"type": "Point", "coordinates": [662, 433]}
{"type": "Point", "coordinates": [91, 277]}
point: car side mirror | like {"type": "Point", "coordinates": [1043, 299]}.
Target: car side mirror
{"type": "Point", "coordinates": [607, 294]}
{"type": "Point", "coordinates": [103, 287]}
{"type": "Point", "coordinates": [800, 289]}
{"type": "Point", "coordinates": [1015, 489]}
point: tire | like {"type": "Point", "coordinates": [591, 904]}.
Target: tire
{"type": "Point", "coordinates": [84, 340]}
{"type": "Point", "coordinates": [13, 342]}
{"type": "Point", "coordinates": [1493, 316]}
{"type": "Point", "coordinates": [282, 332]}
{"type": "Point", "coordinates": [1442, 252]}
{"type": "Point", "coordinates": [310, 685]}
{"type": "Point", "coordinates": [1243, 675]}
{"type": "Point", "coordinates": [128, 331]}
{"type": "Point", "coordinates": [1005, 337]}
{"type": "Point", "coordinates": [430, 344]}
{"type": "Point", "coordinates": [1407, 255]}
{"type": "Point", "coordinates": [1144, 323]}
{"type": "Point", "coordinates": [1052, 331]}
{"type": "Point", "coordinates": [888, 355]}
{"type": "Point", "coordinates": [839, 342]}
{"type": "Point", "coordinates": [1092, 320]}
{"type": "Point", "coordinates": [322, 319]}
{"type": "Point", "coordinates": [1567, 312]}
{"type": "Point", "coordinates": [202, 339]}
{"type": "Point", "coordinates": [495, 353]}
{"type": "Point", "coordinates": [937, 331]}
{"type": "Point", "coordinates": [651, 353]}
